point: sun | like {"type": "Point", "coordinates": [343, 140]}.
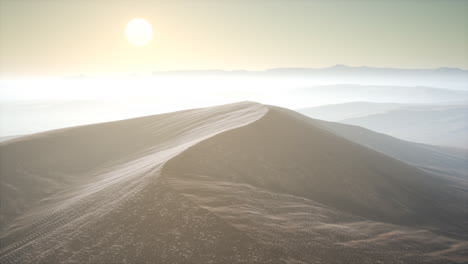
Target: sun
{"type": "Point", "coordinates": [138, 32]}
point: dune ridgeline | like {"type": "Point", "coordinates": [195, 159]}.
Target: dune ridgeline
{"type": "Point", "coordinates": [238, 183]}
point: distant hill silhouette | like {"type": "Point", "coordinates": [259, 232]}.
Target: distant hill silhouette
{"type": "Point", "coordinates": [452, 78]}
{"type": "Point", "coordinates": [445, 125]}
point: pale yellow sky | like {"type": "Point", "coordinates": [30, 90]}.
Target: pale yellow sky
{"type": "Point", "coordinates": [60, 38]}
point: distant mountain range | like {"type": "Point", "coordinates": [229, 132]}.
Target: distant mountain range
{"type": "Point", "coordinates": [451, 78]}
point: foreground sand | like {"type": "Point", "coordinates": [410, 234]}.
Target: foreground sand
{"type": "Point", "coordinates": [240, 183]}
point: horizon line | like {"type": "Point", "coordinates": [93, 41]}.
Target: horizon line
{"type": "Point", "coordinates": [175, 71]}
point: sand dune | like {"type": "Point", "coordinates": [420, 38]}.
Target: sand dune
{"type": "Point", "coordinates": [338, 112]}
{"type": "Point", "coordinates": [445, 161]}
{"type": "Point", "coordinates": [445, 125]}
{"type": "Point", "coordinates": [239, 183]}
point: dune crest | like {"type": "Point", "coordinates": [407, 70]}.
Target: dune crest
{"type": "Point", "coordinates": [239, 183]}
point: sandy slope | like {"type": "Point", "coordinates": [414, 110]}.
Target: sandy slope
{"type": "Point", "coordinates": [434, 124]}
{"type": "Point", "coordinates": [338, 112]}
{"type": "Point", "coordinates": [445, 161]}
{"type": "Point", "coordinates": [445, 126]}
{"type": "Point", "coordinates": [237, 183]}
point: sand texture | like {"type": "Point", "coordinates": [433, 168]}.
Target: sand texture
{"type": "Point", "coordinates": [238, 183]}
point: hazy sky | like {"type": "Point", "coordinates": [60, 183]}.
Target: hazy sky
{"type": "Point", "coordinates": [69, 37]}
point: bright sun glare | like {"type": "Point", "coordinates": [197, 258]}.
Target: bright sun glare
{"type": "Point", "coordinates": [138, 32]}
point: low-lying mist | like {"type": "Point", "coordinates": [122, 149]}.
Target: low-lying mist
{"type": "Point", "coordinates": [33, 105]}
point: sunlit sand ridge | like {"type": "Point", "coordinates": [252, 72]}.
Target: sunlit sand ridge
{"type": "Point", "coordinates": [242, 183]}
